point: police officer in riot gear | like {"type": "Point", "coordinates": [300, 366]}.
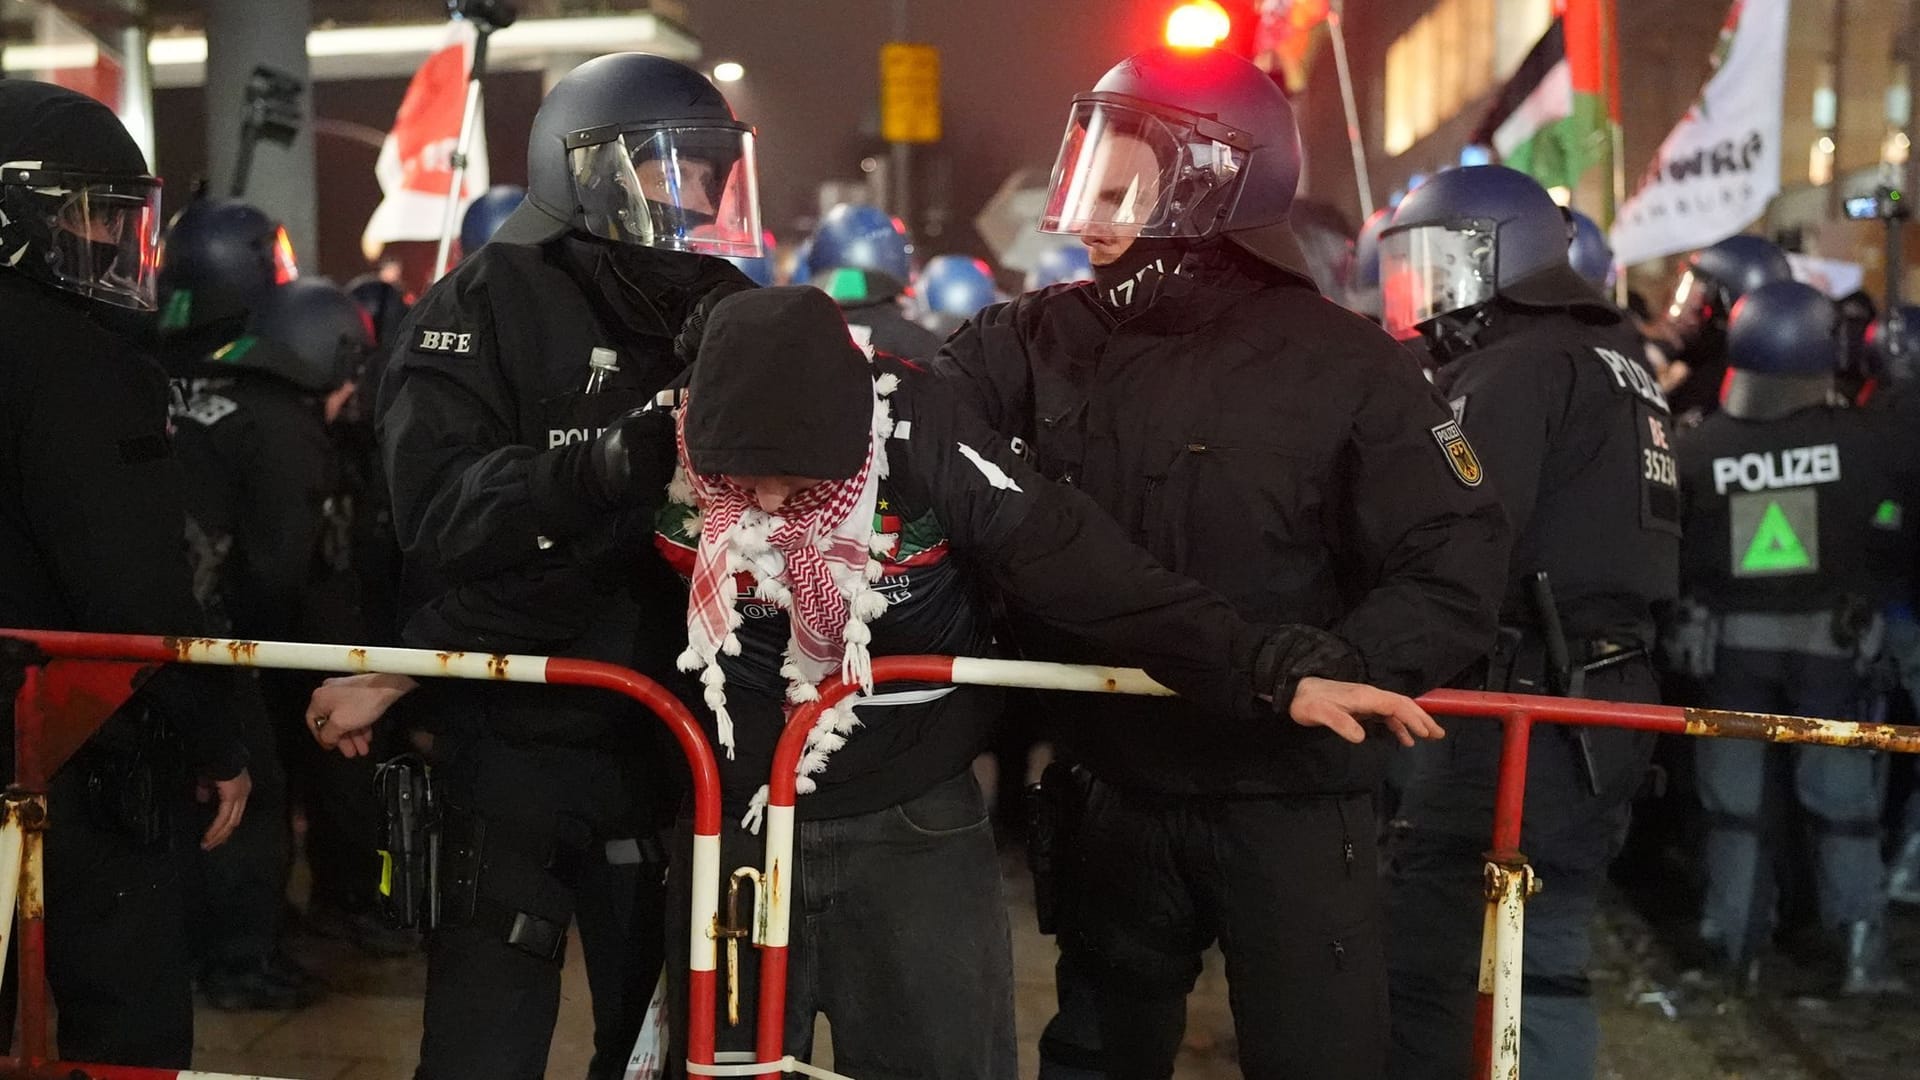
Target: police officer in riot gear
{"type": "Point", "coordinates": [861, 256]}
{"type": "Point", "coordinates": [522, 505]}
{"type": "Point", "coordinates": [270, 502]}
{"type": "Point", "coordinates": [1542, 374]}
{"type": "Point", "coordinates": [218, 259]}
{"type": "Point", "coordinates": [91, 526]}
{"type": "Point", "coordinates": [1252, 435]}
{"type": "Point", "coordinates": [1797, 537]}
{"type": "Point", "coordinates": [1715, 279]}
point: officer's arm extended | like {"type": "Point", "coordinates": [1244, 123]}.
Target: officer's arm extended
{"type": "Point", "coordinates": [1054, 554]}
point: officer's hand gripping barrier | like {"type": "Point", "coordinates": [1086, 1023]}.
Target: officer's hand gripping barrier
{"type": "Point", "coordinates": [72, 681]}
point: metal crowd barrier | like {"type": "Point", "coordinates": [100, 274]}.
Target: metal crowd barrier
{"type": "Point", "coordinates": [73, 681]}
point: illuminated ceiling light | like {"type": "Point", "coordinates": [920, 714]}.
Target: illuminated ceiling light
{"type": "Point", "coordinates": [728, 71]}
{"type": "Point", "coordinates": [1200, 24]}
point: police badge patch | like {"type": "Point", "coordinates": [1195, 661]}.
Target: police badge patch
{"type": "Point", "coordinates": [1460, 455]}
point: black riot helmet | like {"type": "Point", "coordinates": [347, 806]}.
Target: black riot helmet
{"type": "Point", "coordinates": [385, 304]}
{"type": "Point", "coordinates": [218, 258]}
{"type": "Point", "coordinates": [1182, 143]}
{"type": "Point", "coordinates": [642, 150]}
{"type": "Point", "coordinates": [78, 209]}
{"type": "Point", "coordinates": [1466, 237]}
{"type": "Point", "coordinates": [1721, 274]}
{"type": "Point", "coordinates": [308, 332]}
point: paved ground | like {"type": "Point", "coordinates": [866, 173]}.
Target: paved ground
{"type": "Point", "coordinates": [1659, 1021]}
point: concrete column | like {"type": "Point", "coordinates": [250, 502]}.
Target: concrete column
{"type": "Point", "coordinates": [240, 35]}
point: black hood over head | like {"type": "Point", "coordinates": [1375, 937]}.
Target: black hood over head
{"type": "Point", "coordinates": [779, 389]}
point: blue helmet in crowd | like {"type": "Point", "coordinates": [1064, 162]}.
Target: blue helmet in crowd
{"type": "Point", "coordinates": [487, 213]}
{"type": "Point", "coordinates": [1466, 237]}
{"type": "Point", "coordinates": [308, 332]}
{"type": "Point", "coordinates": [1719, 275]}
{"type": "Point", "coordinates": [955, 285]}
{"type": "Point", "coordinates": [218, 258]}
{"type": "Point", "coordinates": [1363, 274]}
{"type": "Point", "coordinates": [1060, 266]}
{"type": "Point", "coordinates": [1784, 328]}
{"type": "Point", "coordinates": [1590, 254]}
{"type": "Point", "coordinates": [860, 238]}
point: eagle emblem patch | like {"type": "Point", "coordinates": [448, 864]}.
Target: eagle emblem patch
{"type": "Point", "coordinates": [1460, 455]}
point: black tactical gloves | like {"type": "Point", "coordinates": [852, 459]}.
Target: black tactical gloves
{"type": "Point", "coordinates": [632, 460]}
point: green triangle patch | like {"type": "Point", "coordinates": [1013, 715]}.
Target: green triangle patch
{"type": "Point", "coordinates": [1775, 545]}
{"type": "Point", "coordinates": [1888, 515]}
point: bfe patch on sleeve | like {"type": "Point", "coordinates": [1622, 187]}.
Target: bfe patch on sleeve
{"type": "Point", "coordinates": [1460, 456]}
{"type": "Point", "coordinates": [443, 342]}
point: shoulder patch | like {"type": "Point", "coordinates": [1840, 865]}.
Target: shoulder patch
{"type": "Point", "coordinates": [443, 342]}
{"type": "Point", "coordinates": [1460, 456]}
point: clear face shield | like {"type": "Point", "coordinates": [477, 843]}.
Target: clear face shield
{"type": "Point", "coordinates": [1126, 172]}
{"type": "Point", "coordinates": [680, 188]}
{"type": "Point", "coordinates": [93, 234]}
{"type": "Point", "coordinates": [1427, 271]}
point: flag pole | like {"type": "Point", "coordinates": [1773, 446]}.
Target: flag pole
{"type": "Point", "coordinates": [1615, 152]}
{"type": "Point", "coordinates": [486, 17]}
{"type": "Point", "coordinates": [1336, 14]}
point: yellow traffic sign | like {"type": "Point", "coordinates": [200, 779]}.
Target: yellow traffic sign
{"type": "Point", "coordinates": [909, 92]}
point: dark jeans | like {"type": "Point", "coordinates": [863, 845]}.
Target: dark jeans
{"type": "Point", "coordinates": [1289, 887]}
{"type": "Point", "coordinates": [556, 819]}
{"type": "Point", "coordinates": [899, 938]}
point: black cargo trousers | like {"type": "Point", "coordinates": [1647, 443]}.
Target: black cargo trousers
{"type": "Point", "coordinates": [538, 838]}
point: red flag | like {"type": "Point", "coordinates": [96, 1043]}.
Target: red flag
{"type": "Point", "coordinates": [1286, 36]}
{"type": "Point", "coordinates": [416, 161]}
{"type": "Point", "coordinates": [1593, 49]}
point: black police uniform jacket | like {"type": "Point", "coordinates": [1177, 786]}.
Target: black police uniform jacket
{"type": "Point", "coordinates": [92, 518]}
{"type": "Point", "coordinates": [261, 476]}
{"type": "Point", "coordinates": [1255, 437]}
{"type": "Point", "coordinates": [1795, 514]}
{"type": "Point", "coordinates": [885, 327]}
{"type": "Point", "coordinates": [488, 373]}
{"type": "Point", "coordinates": [969, 516]}
{"type": "Point", "coordinates": [1578, 441]}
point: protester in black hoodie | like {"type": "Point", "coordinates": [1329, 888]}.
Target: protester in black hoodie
{"type": "Point", "coordinates": [871, 515]}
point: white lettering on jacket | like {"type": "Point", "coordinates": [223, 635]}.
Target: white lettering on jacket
{"type": "Point", "coordinates": [1801, 466]}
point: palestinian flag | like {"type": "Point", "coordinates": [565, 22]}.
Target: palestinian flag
{"type": "Point", "coordinates": [1550, 121]}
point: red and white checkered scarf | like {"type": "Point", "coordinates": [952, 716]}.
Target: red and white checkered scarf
{"type": "Point", "coordinates": [814, 559]}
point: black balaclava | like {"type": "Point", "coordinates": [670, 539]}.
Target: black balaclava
{"type": "Point", "coordinates": [1129, 283]}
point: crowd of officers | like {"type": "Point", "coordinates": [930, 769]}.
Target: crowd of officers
{"type": "Point", "coordinates": [607, 434]}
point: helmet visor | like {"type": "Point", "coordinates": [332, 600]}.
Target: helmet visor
{"type": "Point", "coordinates": [102, 231]}
{"type": "Point", "coordinates": [1124, 172]}
{"type": "Point", "coordinates": [1431, 270]}
{"type": "Point", "coordinates": [1694, 300]}
{"type": "Point", "coordinates": [680, 188]}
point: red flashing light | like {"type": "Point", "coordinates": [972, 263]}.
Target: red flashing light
{"type": "Point", "coordinates": [1198, 24]}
